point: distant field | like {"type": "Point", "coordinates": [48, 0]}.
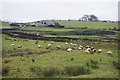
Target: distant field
{"type": "Point", "coordinates": [95, 25]}
{"type": "Point", "coordinates": [47, 29]}
{"type": "Point", "coordinates": [4, 25]}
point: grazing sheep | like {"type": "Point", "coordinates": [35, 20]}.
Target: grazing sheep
{"type": "Point", "coordinates": [52, 42]}
{"type": "Point", "coordinates": [99, 50]}
{"type": "Point", "coordinates": [86, 51]}
{"type": "Point", "coordinates": [109, 53]}
{"type": "Point", "coordinates": [37, 34]}
{"type": "Point", "coordinates": [19, 46]}
{"type": "Point", "coordinates": [94, 50]}
{"type": "Point", "coordinates": [69, 50]}
{"type": "Point", "coordinates": [92, 47]}
{"type": "Point", "coordinates": [66, 43]}
{"type": "Point", "coordinates": [58, 47]}
{"type": "Point", "coordinates": [12, 44]}
{"type": "Point", "coordinates": [74, 44]}
{"type": "Point", "coordinates": [80, 48]}
{"type": "Point", "coordinates": [71, 43]}
{"type": "Point", "coordinates": [39, 46]}
{"type": "Point", "coordinates": [87, 46]}
{"type": "Point", "coordinates": [49, 45]}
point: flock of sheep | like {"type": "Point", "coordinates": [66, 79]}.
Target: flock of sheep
{"type": "Point", "coordinates": [88, 49]}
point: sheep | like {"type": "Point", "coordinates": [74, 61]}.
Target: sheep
{"type": "Point", "coordinates": [71, 43]}
{"type": "Point", "coordinates": [74, 44]}
{"type": "Point", "coordinates": [87, 46]}
{"type": "Point", "coordinates": [80, 48]}
{"type": "Point", "coordinates": [86, 51]}
{"type": "Point", "coordinates": [99, 50]}
{"type": "Point", "coordinates": [19, 46]}
{"type": "Point", "coordinates": [94, 50]}
{"type": "Point", "coordinates": [37, 34]}
{"type": "Point", "coordinates": [109, 53]}
{"type": "Point", "coordinates": [49, 45]}
{"type": "Point", "coordinates": [12, 44]}
{"type": "Point", "coordinates": [52, 42]}
{"type": "Point", "coordinates": [58, 47]}
{"type": "Point", "coordinates": [39, 46]}
{"type": "Point", "coordinates": [92, 47]}
{"type": "Point", "coordinates": [66, 43]}
{"type": "Point", "coordinates": [69, 50]}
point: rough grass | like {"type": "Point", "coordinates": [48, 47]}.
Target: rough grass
{"type": "Point", "coordinates": [20, 65]}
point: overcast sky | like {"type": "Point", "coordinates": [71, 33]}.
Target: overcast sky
{"type": "Point", "coordinates": [32, 10]}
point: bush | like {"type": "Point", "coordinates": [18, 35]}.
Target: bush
{"type": "Point", "coordinates": [92, 64]}
{"type": "Point", "coordinates": [116, 64]}
{"type": "Point", "coordinates": [5, 71]}
{"type": "Point", "coordinates": [33, 60]}
{"type": "Point", "coordinates": [75, 70]}
{"type": "Point", "coordinates": [36, 70]}
{"type": "Point", "coordinates": [51, 71]}
{"type": "Point", "coordinates": [36, 42]}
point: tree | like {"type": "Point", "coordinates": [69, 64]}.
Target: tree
{"type": "Point", "coordinates": [89, 18]}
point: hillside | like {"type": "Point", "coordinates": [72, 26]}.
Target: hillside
{"type": "Point", "coordinates": [95, 25]}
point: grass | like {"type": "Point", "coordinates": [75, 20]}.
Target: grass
{"type": "Point", "coordinates": [52, 58]}
{"type": "Point", "coordinates": [95, 25]}
{"type": "Point", "coordinates": [4, 25]}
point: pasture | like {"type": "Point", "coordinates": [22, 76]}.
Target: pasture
{"type": "Point", "coordinates": [4, 25]}
{"type": "Point", "coordinates": [31, 61]}
{"type": "Point", "coordinates": [94, 25]}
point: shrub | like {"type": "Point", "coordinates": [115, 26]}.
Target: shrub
{"type": "Point", "coordinates": [76, 70]}
{"type": "Point", "coordinates": [92, 64]}
{"type": "Point", "coordinates": [51, 71]}
{"type": "Point", "coordinates": [36, 42]}
{"type": "Point", "coordinates": [36, 70]}
{"type": "Point", "coordinates": [116, 64]}
{"type": "Point", "coordinates": [5, 71]}
{"type": "Point", "coordinates": [33, 60]}
{"type": "Point", "coordinates": [71, 59]}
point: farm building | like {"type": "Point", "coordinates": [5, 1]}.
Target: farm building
{"type": "Point", "coordinates": [16, 25]}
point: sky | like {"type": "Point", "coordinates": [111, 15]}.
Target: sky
{"type": "Point", "coordinates": [33, 10]}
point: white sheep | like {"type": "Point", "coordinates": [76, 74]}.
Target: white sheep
{"type": "Point", "coordinates": [58, 47]}
{"type": "Point", "coordinates": [86, 51]}
{"type": "Point", "coordinates": [66, 43]}
{"type": "Point", "coordinates": [109, 52]}
{"type": "Point", "coordinates": [37, 34]}
{"type": "Point", "coordinates": [39, 46]}
{"type": "Point", "coordinates": [49, 45]}
{"type": "Point", "coordinates": [52, 42]}
{"type": "Point", "coordinates": [99, 50]}
{"type": "Point", "coordinates": [92, 47]}
{"type": "Point", "coordinates": [74, 44]}
{"type": "Point", "coordinates": [19, 46]}
{"type": "Point", "coordinates": [80, 48]}
{"type": "Point", "coordinates": [69, 50]}
{"type": "Point", "coordinates": [87, 46]}
{"type": "Point", "coordinates": [12, 45]}
{"type": "Point", "coordinates": [94, 50]}
{"type": "Point", "coordinates": [71, 43]}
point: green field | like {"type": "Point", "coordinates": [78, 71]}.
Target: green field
{"type": "Point", "coordinates": [20, 65]}
{"type": "Point", "coordinates": [4, 25]}
{"type": "Point", "coordinates": [95, 25]}
{"type": "Point", "coordinates": [51, 62]}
